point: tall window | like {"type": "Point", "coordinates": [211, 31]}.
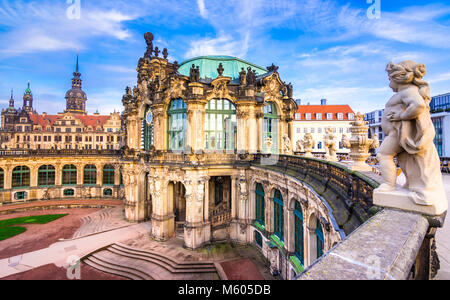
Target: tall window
{"type": "Point", "coordinates": [2, 179]}
{"type": "Point", "coordinates": [299, 238]}
{"type": "Point", "coordinates": [148, 129]}
{"type": "Point", "coordinates": [260, 204]}
{"type": "Point", "coordinates": [69, 175]}
{"type": "Point", "coordinates": [270, 126]}
{"type": "Point", "coordinates": [21, 177]}
{"type": "Point", "coordinates": [220, 125]}
{"type": "Point", "coordinates": [90, 175]}
{"type": "Point", "coordinates": [319, 239]}
{"type": "Point", "coordinates": [278, 218]}
{"type": "Point", "coordinates": [176, 116]}
{"type": "Point", "coordinates": [108, 175]}
{"type": "Point", "coordinates": [46, 176]}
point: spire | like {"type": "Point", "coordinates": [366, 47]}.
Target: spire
{"type": "Point", "coordinates": [11, 100]}
{"type": "Point", "coordinates": [28, 90]}
{"type": "Point", "coordinates": [77, 62]}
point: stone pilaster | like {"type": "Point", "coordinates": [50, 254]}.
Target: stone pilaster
{"type": "Point", "coordinates": [163, 219]}
{"type": "Point", "coordinates": [197, 230]}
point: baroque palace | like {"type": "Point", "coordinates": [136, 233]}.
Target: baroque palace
{"type": "Point", "coordinates": [207, 153]}
{"type": "Point", "coordinates": [71, 154]}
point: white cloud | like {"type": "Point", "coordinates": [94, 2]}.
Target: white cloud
{"type": "Point", "coordinates": [224, 44]}
{"type": "Point", "coordinates": [202, 9]}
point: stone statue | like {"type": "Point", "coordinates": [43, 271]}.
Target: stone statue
{"type": "Point", "coordinates": [243, 77]}
{"type": "Point", "coordinates": [149, 40]}
{"type": "Point", "coordinates": [165, 53]}
{"type": "Point", "coordinates": [330, 145]}
{"type": "Point", "coordinates": [194, 73]}
{"type": "Point", "coordinates": [268, 143]}
{"type": "Point", "coordinates": [220, 70]}
{"type": "Point", "coordinates": [359, 144]}
{"type": "Point", "coordinates": [290, 90]}
{"type": "Point", "coordinates": [299, 146]}
{"type": "Point", "coordinates": [308, 144]}
{"type": "Point", "coordinates": [286, 144]}
{"type": "Point", "coordinates": [409, 132]}
{"type": "Point", "coordinates": [251, 77]}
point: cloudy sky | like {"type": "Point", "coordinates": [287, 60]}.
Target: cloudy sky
{"type": "Point", "coordinates": [327, 49]}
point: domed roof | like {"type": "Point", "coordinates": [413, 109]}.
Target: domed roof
{"type": "Point", "coordinates": [209, 64]}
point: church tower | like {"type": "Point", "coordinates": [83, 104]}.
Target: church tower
{"type": "Point", "coordinates": [27, 100]}
{"type": "Point", "coordinates": [76, 97]}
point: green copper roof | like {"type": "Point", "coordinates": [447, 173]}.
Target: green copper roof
{"type": "Point", "coordinates": [28, 90]}
{"type": "Point", "coordinates": [209, 65]}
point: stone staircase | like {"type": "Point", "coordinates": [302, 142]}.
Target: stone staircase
{"type": "Point", "coordinates": [102, 220]}
{"type": "Point", "coordinates": [136, 264]}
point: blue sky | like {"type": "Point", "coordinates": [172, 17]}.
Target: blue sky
{"type": "Point", "coordinates": [327, 49]}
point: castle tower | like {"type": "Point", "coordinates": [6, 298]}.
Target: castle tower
{"type": "Point", "coordinates": [76, 97]}
{"type": "Point", "coordinates": [27, 100]}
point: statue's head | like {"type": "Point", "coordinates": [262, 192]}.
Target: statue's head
{"type": "Point", "coordinates": [409, 73]}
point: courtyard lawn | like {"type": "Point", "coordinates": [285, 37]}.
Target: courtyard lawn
{"type": "Point", "coordinates": [8, 228]}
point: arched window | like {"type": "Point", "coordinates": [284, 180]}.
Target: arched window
{"type": "Point", "coordinates": [21, 177]}
{"type": "Point", "coordinates": [220, 125]}
{"type": "Point", "coordinates": [107, 192]}
{"type": "Point", "coordinates": [108, 175]}
{"type": "Point", "coordinates": [2, 179]}
{"type": "Point", "coordinates": [259, 202]}
{"type": "Point", "coordinates": [278, 215]}
{"type": "Point", "coordinates": [319, 239]}
{"type": "Point", "coordinates": [298, 229]}
{"type": "Point", "coordinates": [147, 129]}
{"type": "Point", "coordinates": [176, 117]}
{"type": "Point", "coordinates": [270, 127]}
{"type": "Point", "coordinates": [69, 175]}
{"type": "Point", "coordinates": [258, 239]}
{"type": "Point", "coordinates": [46, 175]}
{"type": "Point", "coordinates": [90, 175]}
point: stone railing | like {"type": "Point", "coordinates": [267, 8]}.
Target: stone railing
{"type": "Point", "coordinates": [62, 152]}
{"type": "Point", "coordinates": [349, 193]}
{"type": "Point", "coordinates": [393, 245]}
{"type": "Point", "coordinates": [220, 216]}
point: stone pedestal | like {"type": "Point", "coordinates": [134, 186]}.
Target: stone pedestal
{"type": "Point", "coordinates": [403, 199]}
{"type": "Point", "coordinates": [196, 235]}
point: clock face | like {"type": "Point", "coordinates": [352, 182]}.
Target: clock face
{"type": "Point", "coordinates": [149, 118]}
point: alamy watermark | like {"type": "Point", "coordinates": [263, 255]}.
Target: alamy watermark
{"type": "Point", "coordinates": [73, 12]}
{"type": "Point", "coordinates": [374, 11]}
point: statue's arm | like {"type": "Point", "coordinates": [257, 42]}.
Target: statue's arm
{"type": "Point", "coordinates": [415, 105]}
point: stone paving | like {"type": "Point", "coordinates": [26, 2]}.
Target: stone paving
{"type": "Point", "coordinates": [443, 239]}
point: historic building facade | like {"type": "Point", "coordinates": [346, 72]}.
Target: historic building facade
{"type": "Point", "coordinates": [73, 129]}
{"type": "Point", "coordinates": [191, 132]}
{"type": "Point", "coordinates": [315, 119]}
{"type": "Point", "coordinates": [71, 154]}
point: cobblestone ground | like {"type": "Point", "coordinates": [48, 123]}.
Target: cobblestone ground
{"type": "Point", "coordinates": [443, 240]}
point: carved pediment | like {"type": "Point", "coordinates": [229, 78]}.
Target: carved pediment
{"type": "Point", "coordinates": [176, 88]}
{"type": "Point", "coordinates": [220, 89]}
{"type": "Point", "coordinates": [272, 87]}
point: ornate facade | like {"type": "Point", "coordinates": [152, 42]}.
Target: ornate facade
{"type": "Point", "coordinates": [191, 133]}
{"type": "Point", "coordinates": [74, 129]}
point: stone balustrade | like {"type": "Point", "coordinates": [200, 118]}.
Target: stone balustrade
{"type": "Point", "coordinates": [393, 245]}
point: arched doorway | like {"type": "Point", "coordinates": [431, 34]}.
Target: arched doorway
{"type": "Point", "coordinates": [177, 196]}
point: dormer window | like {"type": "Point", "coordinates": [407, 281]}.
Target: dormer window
{"type": "Point", "coordinates": [329, 116]}
{"type": "Point", "coordinates": [319, 116]}
{"type": "Point", "coordinates": [351, 116]}
{"type": "Point", "coordinates": [340, 116]}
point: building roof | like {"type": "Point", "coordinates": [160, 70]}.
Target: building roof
{"type": "Point", "coordinates": [324, 109]}
{"type": "Point", "coordinates": [209, 65]}
{"type": "Point", "coordinates": [87, 120]}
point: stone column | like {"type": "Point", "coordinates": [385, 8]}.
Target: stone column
{"type": "Point", "coordinates": [58, 174]}
{"type": "Point", "coordinates": [197, 231]}
{"type": "Point", "coordinates": [133, 176]}
{"type": "Point", "coordinates": [253, 136]}
{"type": "Point", "coordinates": [163, 219]}
{"type": "Point", "coordinates": [289, 229]}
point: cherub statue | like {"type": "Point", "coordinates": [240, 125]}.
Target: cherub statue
{"type": "Point", "coordinates": [330, 145]}
{"type": "Point", "coordinates": [299, 146]}
{"type": "Point", "coordinates": [308, 144]}
{"type": "Point", "coordinates": [286, 144]}
{"type": "Point", "coordinates": [409, 132]}
{"type": "Point", "coordinates": [268, 143]}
